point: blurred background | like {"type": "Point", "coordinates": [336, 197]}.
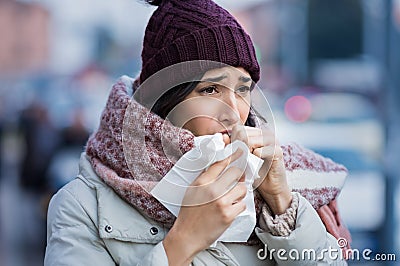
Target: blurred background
{"type": "Point", "coordinates": [330, 71]}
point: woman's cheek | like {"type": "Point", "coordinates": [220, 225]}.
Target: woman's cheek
{"type": "Point", "coordinates": [244, 110]}
{"type": "Point", "coordinates": [199, 115]}
{"type": "Point", "coordinates": [202, 126]}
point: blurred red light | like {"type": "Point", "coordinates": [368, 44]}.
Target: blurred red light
{"type": "Point", "coordinates": [298, 109]}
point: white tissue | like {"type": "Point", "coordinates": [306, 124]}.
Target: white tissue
{"type": "Point", "coordinates": [209, 149]}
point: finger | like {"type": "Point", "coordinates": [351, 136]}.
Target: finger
{"type": "Point", "coordinates": [266, 152]}
{"type": "Point", "coordinates": [260, 137]}
{"type": "Point", "coordinates": [212, 173]}
{"type": "Point", "coordinates": [258, 141]}
{"type": "Point", "coordinates": [237, 208]}
{"type": "Point", "coordinates": [253, 137]}
{"type": "Point", "coordinates": [229, 179]}
{"type": "Point", "coordinates": [278, 153]}
{"type": "Point", "coordinates": [271, 152]}
{"type": "Point", "coordinates": [273, 159]}
{"type": "Point", "coordinates": [239, 133]}
{"type": "Point", "coordinates": [226, 139]}
{"type": "Point", "coordinates": [253, 131]}
{"type": "Point", "coordinates": [237, 193]}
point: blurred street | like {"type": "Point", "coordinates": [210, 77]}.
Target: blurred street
{"type": "Point", "coordinates": [22, 220]}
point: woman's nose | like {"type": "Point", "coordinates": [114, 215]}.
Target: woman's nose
{"type": "Point", "coordinates": [229, 113]}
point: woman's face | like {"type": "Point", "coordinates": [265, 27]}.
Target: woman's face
{"type": "Point", "coordinates": [219, 101]}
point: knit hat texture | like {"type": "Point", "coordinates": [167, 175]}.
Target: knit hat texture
{"type": "Point", "coordinates": [180, 31]}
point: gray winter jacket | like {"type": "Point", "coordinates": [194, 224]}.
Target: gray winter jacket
{"type": "Point", "coordinates": [89, 224]}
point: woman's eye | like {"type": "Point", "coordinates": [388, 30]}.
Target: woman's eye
{"type": "Point", "coordinates": [243, 90]}
{"type": "Point", "coordinates": [209, 90]}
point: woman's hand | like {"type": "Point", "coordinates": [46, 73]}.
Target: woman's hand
{"type": "Point", "coordinates": [273, 185]}
{"type": "Point", "coordinates": [209, 207]}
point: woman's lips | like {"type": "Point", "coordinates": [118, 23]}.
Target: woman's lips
{"type": "Point", "coordinates": [226, 131]}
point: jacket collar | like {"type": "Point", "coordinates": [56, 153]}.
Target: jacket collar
{"type": "Point", "coordinates": [117, 218]}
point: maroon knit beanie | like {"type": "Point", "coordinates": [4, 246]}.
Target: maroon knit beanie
{"type": "Point", "coordinates": [186, 30]}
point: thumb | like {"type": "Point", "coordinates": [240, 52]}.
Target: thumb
{"type": "Point", "coordinates": [226, 139]}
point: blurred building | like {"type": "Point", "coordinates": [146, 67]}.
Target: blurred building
{"type": "Point", "coordinates": [24, 45]}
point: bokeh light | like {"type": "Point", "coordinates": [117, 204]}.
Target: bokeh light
{"type": "Point", "coordinates": [298, 109]}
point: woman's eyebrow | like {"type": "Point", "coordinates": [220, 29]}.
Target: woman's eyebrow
{"type": "Point", "coordinates": [215, 79]}
{"type": "Point", "coordinates": [244, 79]}
{"type": "Point", "coordinates": [219, 78]}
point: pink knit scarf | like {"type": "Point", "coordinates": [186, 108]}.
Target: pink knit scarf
{"type": "Point", "coordinates": [127, 153]}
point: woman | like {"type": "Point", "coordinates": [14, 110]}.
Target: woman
{"type": "Point", "coordinates": [107, 216]}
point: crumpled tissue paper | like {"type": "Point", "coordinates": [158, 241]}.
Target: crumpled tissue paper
{"type": "Point", "coordinates": [209, 149]}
